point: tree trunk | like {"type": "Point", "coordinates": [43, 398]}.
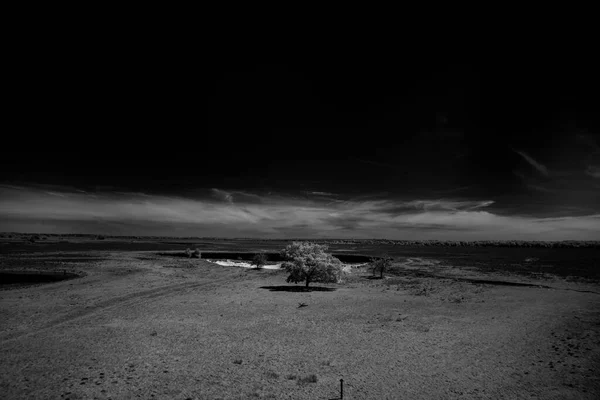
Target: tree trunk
{"type": "Point", "coordinates": [381, 276]}
{"type": "Point", "coordinates": [307, 282]}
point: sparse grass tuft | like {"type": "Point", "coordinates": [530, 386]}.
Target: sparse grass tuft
{"type": "Point", "coordinates": [237, 361]}
{"type": "Point", "coordinates": [308, 379]}
{"type": "Point", "coordinates": [456, 299]}
{"type": "Point", "coordinates": [272, 375]}
{"type": "Point", "coordinates": [291, 377]}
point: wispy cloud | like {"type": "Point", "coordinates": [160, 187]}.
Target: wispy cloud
{"type": "Point", "coordinates": [14, 187]}
{"type": "Point", "coordinates": [458, 219]}
{"type": "Point", "coordinates": [535, 185]}
{"type": "Point", "coordinates": [56, 194]}
{"type": "Point", "coordinates": [541, 168]}
{"type": "Point", "coordinates": [222, 195]}
{"type": "Point", "coordinates": [539, 188]}
{"type": "Point", "coordinates": [435, 205]}
{"type": "Point", "coordinates": [593, 171]}
{"type": "Point", "coordinates": [322, 193]}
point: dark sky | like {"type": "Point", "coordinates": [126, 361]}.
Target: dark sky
{"type": "Point", "coordinates": [415, 146]}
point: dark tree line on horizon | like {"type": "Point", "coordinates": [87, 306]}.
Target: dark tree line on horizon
{"type": "Point", "coordinates": [443, 243]}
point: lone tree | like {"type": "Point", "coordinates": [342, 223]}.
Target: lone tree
{"type": "Point", "coordinates": [309, 262]}
{"type": "Point", "coordinates": [259, 260]}
{"type": "Point", "coordinates": [381, 265]}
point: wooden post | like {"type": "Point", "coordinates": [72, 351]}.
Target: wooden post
{"type": "Point", "coordinates": [341, 389]}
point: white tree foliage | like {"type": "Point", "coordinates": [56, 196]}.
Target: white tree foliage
{"type": "Point", "coordinates": [309, 262]}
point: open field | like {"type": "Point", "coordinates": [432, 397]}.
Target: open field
{"type": "Point", "coordinates": [450, 323]}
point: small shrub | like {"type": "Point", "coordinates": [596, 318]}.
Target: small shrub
{"type": "Point", "coordinates": [197, 254]}
{"type": "Point", "coordinates": [238, 361]}
{"type": "Point", "coordinates": [423, 290]}
{"type": "Point", "coordinates": [381, 265]}
{"type": "Point", "coordinates": [291, 377]}
{"type": "Point", "coordinates": [188, 253]}
{"type": "Point", "coordinates": [259, 260]}
{"type": "Point", "coordinates": [308, 379]}
{"type": "Point", "coordinates": [272, 375]}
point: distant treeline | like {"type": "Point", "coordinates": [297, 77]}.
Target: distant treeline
{"type": "Point", "coordinates": [443, 243]}
{"type": "Point", "coordinates": [477, 243]}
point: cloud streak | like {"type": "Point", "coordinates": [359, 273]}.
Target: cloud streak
{"type": "Point", "coordinates": [541, 168]}
{"type": "Point", "coordinates": [322, 193]}
{"type": "Point", "coordinates": [277, 216]}
{"type": "Point", "coordinates": [222, 195]}
{"type": "Point", "coordinates": [593, 171]}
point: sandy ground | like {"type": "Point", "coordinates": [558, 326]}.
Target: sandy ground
{"type": "Point", "coordinates": [142, 326]}
{"type": "Point", "coordinates": [242, 264]}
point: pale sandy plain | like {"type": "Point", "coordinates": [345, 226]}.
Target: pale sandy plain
{"type": "Point", "coordinates": [140, 325]}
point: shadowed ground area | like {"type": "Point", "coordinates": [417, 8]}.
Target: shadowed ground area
{"type": "Point", "coordinates": [296, 288]}
{"type": "Point", "coordinates": [10, 278]}
{"type": "Point", "coordinates": [129, 327]}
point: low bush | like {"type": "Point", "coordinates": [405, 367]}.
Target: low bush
{"type": "Point", "coordinates": [381, 265]}
{"type": "Point", "coordinates": [259, 260]}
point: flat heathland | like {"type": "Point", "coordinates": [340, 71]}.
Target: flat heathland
{"type": "Point", "coordinates": [146, 325]}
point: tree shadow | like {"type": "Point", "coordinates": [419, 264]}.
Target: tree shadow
{"type": "Point", "coordinates": [290, 288]}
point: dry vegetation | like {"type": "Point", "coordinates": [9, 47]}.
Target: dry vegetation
{"type": "Point", "coordinates": [139, 324]}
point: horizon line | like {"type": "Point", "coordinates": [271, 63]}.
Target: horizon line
{"type": "Point", "coordinates": [296, 239]}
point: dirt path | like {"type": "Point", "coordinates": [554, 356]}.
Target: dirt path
{"type": "Point", "coordinates": [112, 306]}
